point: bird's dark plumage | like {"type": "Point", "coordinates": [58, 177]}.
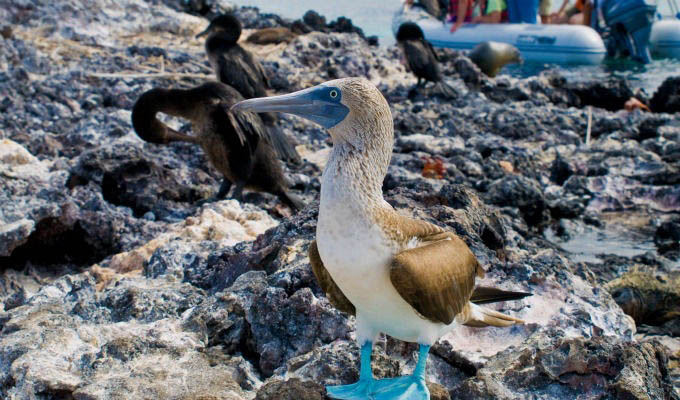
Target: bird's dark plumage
{"type": "Point", "coordinates": [234, 65]}
{"type": "Point", "coordinates": [420, 57]}
{"type": "Point", "coordinates": [238, 68]}
{"type": "Point", "coordinates": [227, 25]}
{"type": "Point", "coordinates": [239, 145]}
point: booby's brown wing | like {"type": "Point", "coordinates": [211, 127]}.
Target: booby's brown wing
{"type": "Point", "coordinates": [436, 278]}
{"type": "Point", "coordinates": [333, 292]}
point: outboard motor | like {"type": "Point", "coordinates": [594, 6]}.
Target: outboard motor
{"type": "Point", "coordinates": [629, 23]}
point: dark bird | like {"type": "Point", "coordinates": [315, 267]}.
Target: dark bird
{"type": "Point", "coordinates": [236, 67]}
{"type": "Point", "coordinates": [239, 145]}
{"type": "Point", "coordinates": [232, 64]}
{"type": "Point", "coordinates": [421, 58]}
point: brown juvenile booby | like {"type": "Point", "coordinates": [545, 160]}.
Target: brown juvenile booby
{"type": "Point", "coordinates": [240, 147]}
{"type": "Point", "coordinates": [490, 57]}
{"type": "Point", "coordinates": [401, 276]}
{"type": "Point", "coordinates": [421, 59]}
{"type": "Point", "coordinates": [238, 68]}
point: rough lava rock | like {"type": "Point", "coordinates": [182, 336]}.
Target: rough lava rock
{"type": "Point", "coordinates": [115, 282]}
{"type": "Point", "coordinates": [667, 96]}
{"type": "Point", "coordinates": [573, 368]}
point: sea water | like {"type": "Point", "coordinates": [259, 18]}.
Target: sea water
{"type": "Point", "coordinates": [375, 18]}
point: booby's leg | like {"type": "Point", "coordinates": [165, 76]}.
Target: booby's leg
{"type": "Point", "coordinates": [362, 389]}
{"type": "Point", "coordinates": [224, 189]}
{"type": "Point", "coordinates": [411, 387]}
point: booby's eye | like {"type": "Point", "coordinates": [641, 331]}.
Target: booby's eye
{"type": "Point", "coordinates": [333, 93]}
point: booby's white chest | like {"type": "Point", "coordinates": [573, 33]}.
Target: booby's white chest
{"type": "Point", "coordinates": [353, 249]}
{"type": "Point", "coordinates": [357, 254]}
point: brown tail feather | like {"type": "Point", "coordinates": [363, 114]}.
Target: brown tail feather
{"type": "Point", "coordinates": [481, 317]}
{"type": "Point", "coordinates": [484, 295]}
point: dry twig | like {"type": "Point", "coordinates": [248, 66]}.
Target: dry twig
{"type": "Point", "coordinates": [590, 125]}
{"type": "Point", "coordinates": [153, 75]}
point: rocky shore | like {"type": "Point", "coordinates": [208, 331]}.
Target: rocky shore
{"type": "Point", "coordinates": [116, 284]}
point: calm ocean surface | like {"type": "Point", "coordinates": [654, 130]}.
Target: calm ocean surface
{"type": "Point", "coordinates": [375, 18]}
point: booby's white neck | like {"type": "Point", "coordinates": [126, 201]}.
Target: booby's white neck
{"type": "Point", "coordinates": [353, 177]}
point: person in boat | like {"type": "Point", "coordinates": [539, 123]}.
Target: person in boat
{"type": "Point", "coordinates": [545, 11]}
{"type": "Point", "coordinates": [493, 12]}
{"type": "Point", "coordinates": [436, 8]}
{"type": "Point", "coordinates": [522, 11]}
{"type": "Point", "coordinates": [577, 14]}
{"type": "Point", "coordinates": [460, 11]}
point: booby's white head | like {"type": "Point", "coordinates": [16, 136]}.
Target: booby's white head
{"type": "Point", "coordinates": [352, 110]}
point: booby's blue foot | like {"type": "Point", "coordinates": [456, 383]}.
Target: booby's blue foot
{"type": "Point", "coordinates": [360, 390]}
{"type": "Point", "coordinates": [402, 388]}
{"type": "Point", "coordinates": [412, 387]}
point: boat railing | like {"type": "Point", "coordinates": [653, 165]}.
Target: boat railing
{"type": "Point", "coordinates": [673, 8]}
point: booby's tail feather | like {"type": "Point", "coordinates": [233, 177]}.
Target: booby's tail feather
{"type": "Point", "coordinates": [484, 295]}
{"type": "Point", "coordinates": [445, 90]}
{"type": "Point", "coordinates": [481, 317]}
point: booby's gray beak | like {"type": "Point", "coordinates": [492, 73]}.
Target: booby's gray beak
{"type": "Point", "coordinates": [205, 32]}
{"type": "Point", "coordinates": [320, 104]}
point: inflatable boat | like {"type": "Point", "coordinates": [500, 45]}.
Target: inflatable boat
{"type": "Point", "coordinates": [550, 44]}
{"type": "Point", "coordinates": [664, 40]}
{"type": "Point", "coordinates": [629, 27]}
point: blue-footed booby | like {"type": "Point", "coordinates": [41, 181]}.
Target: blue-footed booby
{"type": "Point", "coordinates": [401, 276]}
{"type": "Point", "coordinates": [240, 147]}
{"type": "Point", "coordinates": [238, 68]}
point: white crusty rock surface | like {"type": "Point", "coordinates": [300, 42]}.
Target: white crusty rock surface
{"type": "Point", "coordinates": [118, 281]}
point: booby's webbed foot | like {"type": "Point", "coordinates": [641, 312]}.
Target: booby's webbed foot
{"type": "Point", "coordinates": [409, 387]}
{"type": "Point", "coordinates": [361, 390]}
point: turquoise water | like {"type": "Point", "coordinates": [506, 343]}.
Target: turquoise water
{"type": "Point", "coordinates": [647, 77]}
{"type": "Point", "coordinates": [375, 18]}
